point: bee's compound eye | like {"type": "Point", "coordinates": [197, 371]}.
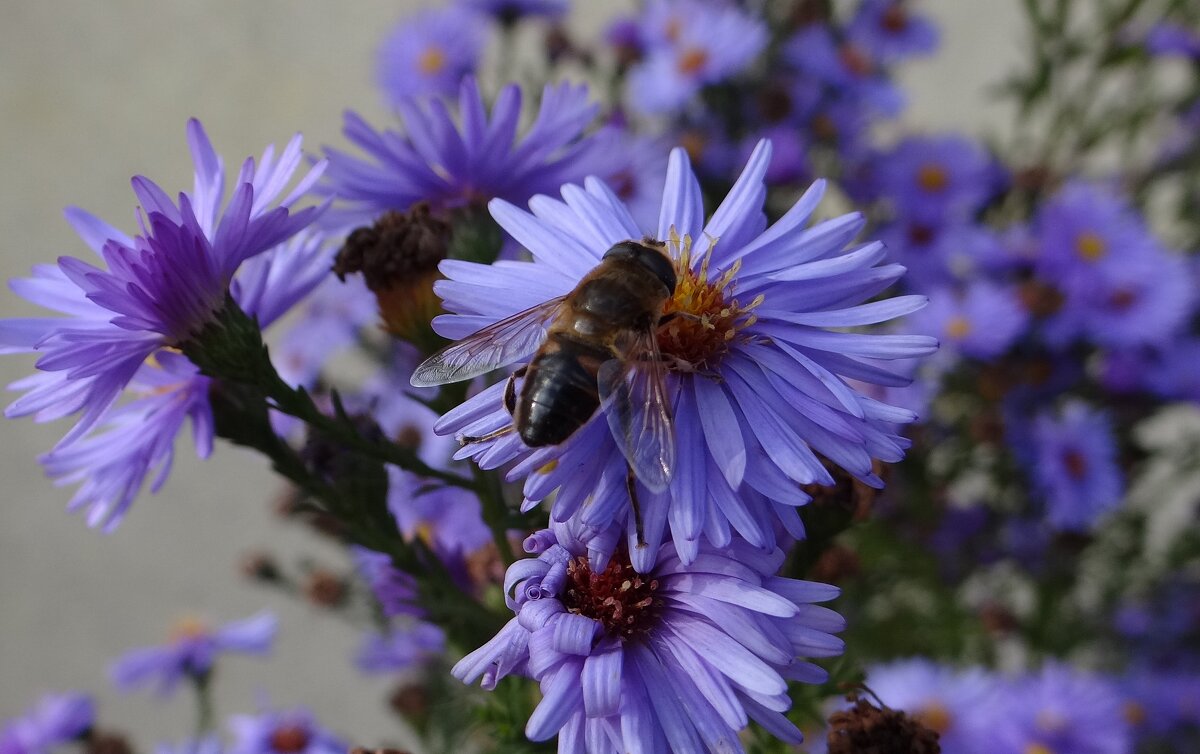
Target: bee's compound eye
{"type": "Point", "coordinates": [623, 250]}
{"type": "Point", "coordinates": [659, 263]}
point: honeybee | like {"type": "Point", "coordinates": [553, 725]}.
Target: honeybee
{"type": "Point", "coordinates": [596, 346]}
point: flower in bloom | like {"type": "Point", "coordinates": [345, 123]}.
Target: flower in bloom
{"type": "Point", "coordinates": [1075, 467]}
{"type": "Point", "coordinates": [509, 11]}
{"type": "Point", "coordinates": [282, 732]}
{"type": "Point", "coordinates": [691, 44]}
{"type": "Point", "coordinates": [155, 291]}
{"type": "Point", "coordinates": [1146, 300]}
{"type": "Point", "coordinates": [400, 648]}
{"type": "Point", "coordinates": [450, 165]}
{"type": "Point", "coordinates": [1059, 710]}
{"type": "Point", "coordinates": [1160, 702]}
{"type": "Point", "coordinates": [935, 178]}
{"type": "Point", "coordinates": [756, 378]}
{"type": "Point", "coordinates": [981, 322]}
{"type": "Point", "coordinates": [55, 719]}
{"type": "Point", "coordinates": [429, 53]}
{"type": "Point", "coordinates": [891, 31]}
{"type": "Point", "coordinates": [843, 67]}
{"type": "Point", "coordinates": [192, 651]}
{"type": "Point", "coordinates": [679, 658]}
{"type": "Point", "coordinates": [941, 698]}
{"type": "Point", "coordinates": [1085, 231]}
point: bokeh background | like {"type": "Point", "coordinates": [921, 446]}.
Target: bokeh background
{"type": "Point", "coordinates": [92, 93]}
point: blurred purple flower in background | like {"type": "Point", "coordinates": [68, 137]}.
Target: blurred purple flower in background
{"type": "Point", "coordinates": [1076, 467]}
{"type": "Point", "coordinates": [282, 732]}
{"type": "Point", "coordinates": [192, 652]}
{"type": "Point", "coordinates": [55, 719]}
{"type": "Point", "coordinates": [430, 52]}
{"type": "Point", "coordinates": [399, 648]}
{"type": "Point", "coordinates": [689, 44]}
{"type": "Point", "coordinates": [455, 164]}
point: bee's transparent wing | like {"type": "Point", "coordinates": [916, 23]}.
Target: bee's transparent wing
{"type": "Point", "coordinates": [633, 395]}
{"type": "Point", "coordinates": [494, 346]}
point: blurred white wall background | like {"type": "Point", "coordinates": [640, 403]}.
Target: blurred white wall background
{"type": "Point", "coordinates": [92, 93]}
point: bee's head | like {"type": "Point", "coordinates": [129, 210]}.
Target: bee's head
{"type": "Point", "coordinates": [650, 254]}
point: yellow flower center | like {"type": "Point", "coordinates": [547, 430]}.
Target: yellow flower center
{"type": "Point", "coordinates": [432, 61]}
{"type": "Point", "coordinates": [935, 717]}
{"type": "Point", "coordinates": [189, 627]}
{"type": "Point", "coordinates": [1090, 246]}
{"type": "Point", "coordinates": [692, 61]}
{"type": "Point", "coordinates": [1036, 748]}
{"type": "Point", "coordinates": [932, 178]}
{"type": "Point", "coordinates": [958, 327]}
{"type": "Point", "coordinates": [707, 319]}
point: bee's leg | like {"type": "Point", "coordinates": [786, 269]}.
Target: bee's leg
{"type": "Point", "coordinates": [510, 390]}
{"type": "Point", "coordinates": [510, 404]}
{"type": "Point", "coordinates": [468, 439]}
{"type": "Point", "coordinates": [664, 319]}
{"type": "Point", "coordinates": [631, 484]}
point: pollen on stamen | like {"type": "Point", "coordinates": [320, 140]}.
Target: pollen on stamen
{"type": "Point", "coordinates": [707, 319]}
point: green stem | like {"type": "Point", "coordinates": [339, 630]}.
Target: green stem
{"type": "Point", "coordinates": [202, 684]}
{"type": "Point", "coordinates": [495, 511]}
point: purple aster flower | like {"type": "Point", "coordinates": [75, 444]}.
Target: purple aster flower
{"type": "Point", "coordinates": [282, 732]}
{"type": "Point", "coordinates": [1059, 710]}
{"type": "Point", "coordinates": [756, 378]}
{"type": "Point", "coordinates": [981, 323]}
{"type": "Point", "coordinates": [451, 164]}
{"type": "Point", "coordinates": [891, 31]}
{"type": "Point", "coordinates": [509, 11]}
{"type": "Point", "coordinates": [935, 178]}
{"type": "Point", "coordinates": [941, 698]}
{"type": "Point", "coordinates": [1167, 39]}
{"type": "Point", "coordinates": [400, 648]}
{"type": "Point", "coordinates": [1084, 230]}
{"type": "Point", "coordinates": [699, 43]}
{"type": "Point", "coordinates": [430, 52]}
{"type": "Point", "coordinates": [679, 658]}
{"type": "Point", "coordinates": [157, 289]}
{"type": "Point", "coordinates": [1146, 299]}
{"type": "Point", "coordinates": [395, 590]}
{"type": "Point", "coordinates": [1159, 702]}
{"type": "Point", "coordinates": [845, 68]}
{"type": "Point", "coordinates": [449, 519]}
{"type": "Point", "coordinates": [127, 443]}
{"type": "Point", "coordinates": [192, 651]}
{"type": "Point", "coordinates": [1075, 467]}
{"type": "Point", "coordinates": [54, 720]}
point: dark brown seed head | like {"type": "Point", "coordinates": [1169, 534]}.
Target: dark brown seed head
{"type": "Point", "coordinates": [623, 600]}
